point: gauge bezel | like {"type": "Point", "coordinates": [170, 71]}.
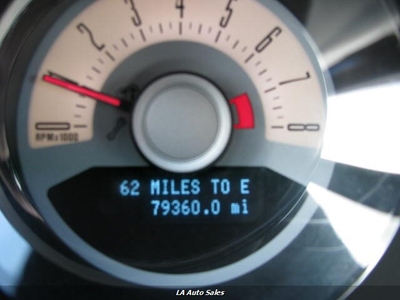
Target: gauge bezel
{"type": "Point", "coordinates": [251, 262]}
{"type": "Point", "coordinates": [223, 274]}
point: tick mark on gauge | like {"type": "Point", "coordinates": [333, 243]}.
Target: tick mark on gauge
{"type": "Point", "coordinates": [258, 63]}
{"type": "Point", "coordinates": [101, 61]}
{"type": "Point", "coordinates": [228, 38]}
{"type": "Point", "coordinates": [218, 36]}
{"type": "Point", "coordinates": [89, 77]}
{"type": "Point", "coordinates": [160, 27]}
{"type": "Point", "coordinates": [124, 43]}
{"type": "Point", "coordinates": [200, 28]}
{"type": "Point", "coordinates": [250, 58]}
{"type": "Point", "coordinates": [277, 107]}
{"type": "Point", "coordinates": [115, 47]}
{"type": "Point", "coordinates": [276, 98]}
{"type": "Point", "coordinates": [132, 36]}
{"type": "Point", "coordinates": [112, 58]}
{"type": "Point", "coordinates": [170, 25]}
{"type": "Point", "coordinates": [151, 29]}
{"type": "Point", "coordinates": [209, 30]}
{"type": "Point", "coordinates": [190, 26]}
{"type": "Point", "coordinates": [235, 45]}
{"type": "Point", "coordinates": [96, 70]}
{"type": "Point", "coordinates": [278, 127]}
{"type": "Point", "coordinates": [244, 49]}
{"type": "Point", "coordinates": [180, 28]}
{"type": "Point", "coordinates": [55, 76]}
{"type": "Point", "coordinates": [80, 106]}
{"type": "Point", "coordinates": [308, 76]}
{"type": "Point", "coordinates": [80, 126]}
{"type": "Point", "coordinates": [262, 72]}
{"type": "Point", "coordinates": [142, 34]}
{"type": "Point", "coordinates": [270, 90]}
{"type": "Point", "coordinates": [77, 116]}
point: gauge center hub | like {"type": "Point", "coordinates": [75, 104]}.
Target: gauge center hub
{"type": "Point", "coordinates": [182, 123]}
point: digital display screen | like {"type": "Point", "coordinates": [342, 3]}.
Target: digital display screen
{"type": "Point", "coordinates": [160, 221]}
{"type": "Point", "coordinates": [153, 195]}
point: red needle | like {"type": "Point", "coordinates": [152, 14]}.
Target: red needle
{"type": "Point", "coordinates": [73, 87]}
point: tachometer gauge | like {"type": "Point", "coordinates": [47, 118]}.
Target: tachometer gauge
{"type": "Point", "coordinates": [171, 137]}
{"type": "Point", "coordinates": [130, 96]}
{"type": "Point", "coordinates": [168, 143]}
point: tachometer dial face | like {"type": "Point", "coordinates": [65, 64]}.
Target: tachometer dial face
{"type": "Point", "coordinates": [164, 139]}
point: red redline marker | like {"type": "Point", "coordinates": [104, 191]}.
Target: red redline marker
{"type": "Point", "coordinates": [82, 90]}
{"type": "Point", "coordinates": [244, 111]}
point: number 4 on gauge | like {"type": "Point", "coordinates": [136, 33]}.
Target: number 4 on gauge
{"type": "Point", "coordinates": [180, 5]}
